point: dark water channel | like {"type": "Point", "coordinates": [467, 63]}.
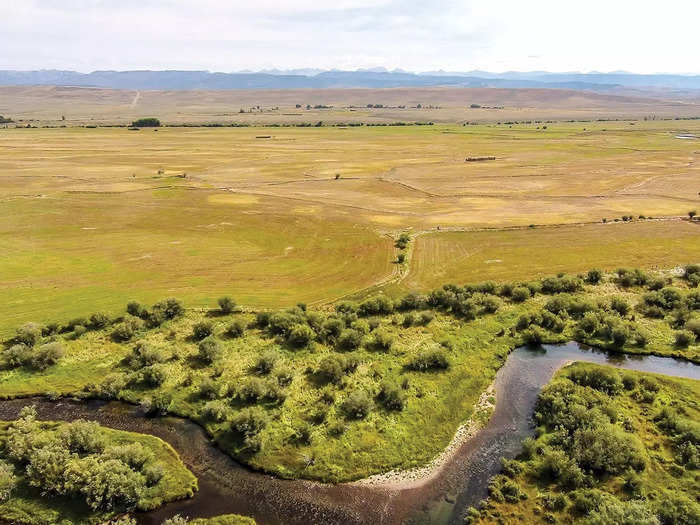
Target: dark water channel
{"type": "Point", "coordinates": [227, 487]}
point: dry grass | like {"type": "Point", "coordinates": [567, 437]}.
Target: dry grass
{"type": "Point", "coordinates": [91, 218]}
{"type": "Point", "coordinates": [48, 104]}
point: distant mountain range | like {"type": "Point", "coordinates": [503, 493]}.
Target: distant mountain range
{"type": "Point", "coordinates": [319, 79]}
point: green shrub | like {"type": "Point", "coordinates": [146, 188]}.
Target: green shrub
{"type": "Point", "coordinates": [155, 318]}
{"type": "Point", "coordinates": [249, 421]}
{"type": "Point", "coordinates": [656, 283]}
{"type": "Point", "coordinates": [683, 338]}
{"type": "Point", "coordinates": [209, 350]}
{"type": "Point", "coordinates": [357, 405]}
{"type": "Point", "coordinates": [555, 465]}
{"type": "Point", "coordinates": [673, 508]}
{"type": "Point", "coordinates": [383, 339]}
{"type": "Point", "coordinates": [301, 335]}
{"type": "Point", "coordinates": [331, 369]}
{"type": "Point", "coordinates": [209, 389]}
{"type": "Point", "coordinates": [252, 390]}
{"type": "Point", "coordinates": [391, 396]}
{"type": "Point", "coordinates": [607, 449]}
{"type": "Point", "coordinates": [429, 360]}
{"type": "Point", "coordinates": [262, 319]}
{"type": "Point", "coordinates": [349, 339]}
{"type": "Point", "coordinates": [8, 480]}
{"type": "Point", "coordinates": [136, 309]}
{"type": "Point", "coordinates": [215, 411]}
{"type": "Point", "coordinates": [112, 385]}
{"type": "Point", "coordinates": [284, 375]}
{"type": "Point", "coordinates": [47, 355]}
{"type": "Point", "coordinates": [266, 361]}
{"type": "Point", "coordinates": [17, 355]}
{"type": "Point", "coordinates": [491, 304]}
{"type": "Point", "coordinates": [612, 510]}
{"type": "Point", "coordinates": [594, 276]}
{"type": "Point", "coordinates": [520, 294]}
{"type": "Point", "coordinates": [176, 520]}
{"type": "Point", "coordinates": [153, 474]}
{"type": "Point", "coordinates": [379, 305]}
{"type": "Point", "coordinates": [82, 437]}
{"type": "Point", "coordinates": [99, 321]}
{"type": "Point", "coordinates": [607, 381]}
{"type": "Point", "coordinates": [227, 305]}
{"type": "Point", "coordinates": [171, 308]}
{"type": "Point", "coordinates": [135, 455]}
{"type": "Point", "coordinates": [236, 328]}
{"type": "Point", "coordinates": [202, 329]}
{"type": "Point", "coordinates": [694, 326]}
{"type": "Point", "coordinates": [126, 330]}
{"type": "Point", "coordinates": [154, 375]}
{"type": "Point", "coordinates": [619, 305]}
{"type": "Point", "coordinates": [28, 334]}
{"type": "Point", "coordinates": [144, 354]}
{"type": "Point", "coordinates": [563, 284]}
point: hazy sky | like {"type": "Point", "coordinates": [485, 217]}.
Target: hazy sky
{"type": "Point", "coordinates": [228, 35]}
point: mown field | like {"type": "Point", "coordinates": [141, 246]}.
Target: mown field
{"type": "Point", "coordinates": [464, 257]}
{"type": "Point", "coordinates": [91, 218]}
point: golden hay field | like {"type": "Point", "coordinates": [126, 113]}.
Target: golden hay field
{"type": "Point", "coordinates": [92, 218]}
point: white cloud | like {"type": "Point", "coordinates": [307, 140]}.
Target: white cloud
{"type": "Point", "coordinates": [225, 35]}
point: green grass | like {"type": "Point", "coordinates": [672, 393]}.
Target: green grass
{"type": "Point", "coordinates": [530, 253]}
{"type": "Point", "coordinates": [100, 251]}
{"type": "Point", "coordinates": [26, 504]}
{"type": "Point", "coordinates": [663, 477]}
{"type": "Point", "coordinates": [334, 448]}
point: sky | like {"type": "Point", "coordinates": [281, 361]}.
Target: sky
{"type": "Point", "coordinates": [641, 36]}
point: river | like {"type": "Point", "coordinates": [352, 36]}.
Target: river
{"type": "Point", "coordinates": [225, 486]}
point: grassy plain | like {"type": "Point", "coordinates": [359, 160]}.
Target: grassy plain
{"type": "Point", "coordinates": [80, 106]}
{"type": "Point", "coordinates": [659, 413]}
{"type": "Point", "coordinates": [301, 425]}
{"type": "Point", "coordinates": [91, 218]}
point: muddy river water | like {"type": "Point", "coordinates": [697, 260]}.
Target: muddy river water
{"type": "Point", "coordinates": [227, 487]}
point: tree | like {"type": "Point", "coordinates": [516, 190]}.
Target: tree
{"type": "Point", "coordinates": [692, 214]}
{"type": "Point", "coordinates": [149, 122]}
